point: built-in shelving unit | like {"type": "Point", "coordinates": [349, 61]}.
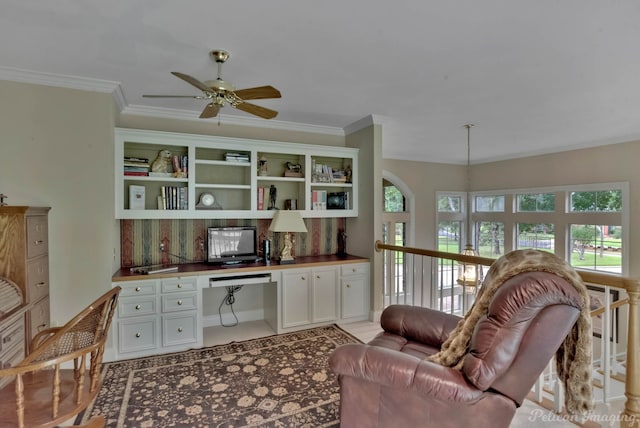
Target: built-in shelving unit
{"type": "Point", "coordinates": [313, 179]}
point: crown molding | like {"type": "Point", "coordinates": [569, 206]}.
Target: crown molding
{"type": "Point", "coordinates": [231, 119]}
{"type": "Point", "coordinates": [60, 80]}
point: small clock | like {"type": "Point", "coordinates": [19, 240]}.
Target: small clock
{"type": "Point", "coordinates": [207, 200]}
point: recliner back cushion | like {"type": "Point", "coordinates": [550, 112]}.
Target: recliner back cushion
{"type": "Point", "coordinates": [517, 308]}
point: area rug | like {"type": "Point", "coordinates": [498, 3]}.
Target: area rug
{"type": "Point", "coordinates": [276, 381]}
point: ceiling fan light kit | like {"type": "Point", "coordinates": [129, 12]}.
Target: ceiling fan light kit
{"type": "Point", "coordinates": [220, 92]}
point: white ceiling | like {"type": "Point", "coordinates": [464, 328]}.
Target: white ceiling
{"type": "Point", "coordinates": [533, 76]}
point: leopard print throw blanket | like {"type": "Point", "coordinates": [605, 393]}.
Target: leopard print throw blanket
{"type": "Point", "coordinates": [573, 358]}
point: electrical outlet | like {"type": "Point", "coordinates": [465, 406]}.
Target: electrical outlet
{"type": "Point", "coordinates": [162, 247]}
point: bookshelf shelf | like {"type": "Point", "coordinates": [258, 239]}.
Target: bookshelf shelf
{"type": "Point", "coordinates": [235, 177]}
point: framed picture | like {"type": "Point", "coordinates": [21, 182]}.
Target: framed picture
{"type": "Point", "coordinates": [596, 301]}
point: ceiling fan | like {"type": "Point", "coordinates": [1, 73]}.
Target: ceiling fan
{"type": "Point", "coordinates": [220, 92]}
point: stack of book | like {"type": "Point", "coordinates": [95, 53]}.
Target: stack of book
{"type": "Point", "coordinates": [236, 157]}
{"type": "Point", "coordinates": [319, 200]}
{"type": "Point", "coordinates": [173, 198]}
{"type": "Point", "coordinates": [136, 166]}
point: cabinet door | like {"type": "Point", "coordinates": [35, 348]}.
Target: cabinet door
{"type": "Point", "coordinates": [137, 334]}
{"type": "Point", "coordinates": [354, 286]}
{"type": "Point", "coordinates": [179, 329]}
{"type": "Point", "coordinates": [325, 294]}
{"type": "Point", "coordinates": [354, 296]}
{"type": "Point", "coordinates": [296, 295]}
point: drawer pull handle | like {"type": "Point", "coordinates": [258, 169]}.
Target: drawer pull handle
{"type": "Point", "coordinates": [138, 289]}
{"type": "Point", "coordinates": [38, 242]}
{"type": "Point", "coordinates": [318, 276]}
{"type": "Point", "coordinates": [138, 307]}
{"type": "Point", "coordinates": [179, 285]}
{"type": "Point", "coordinates": [354, 269]}
{"type": "Point", "coordinates": [42, 327]}
{"type": "Point", "coordinates": [348, 285]}
{"type": "Point", "coordinates": [138, 334]}
{"type": "Point", "coordinates": [179, 302]}
{"type": "Point", "coordinates": [41, 284]}
{"type": "Point", "coordinates": [303, 278]}
{"type": "Point", "coordinates": [179, 329]}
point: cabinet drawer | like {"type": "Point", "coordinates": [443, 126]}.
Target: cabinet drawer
{"type": "Point", "coordinates": [37, 279]}
{"type": "Point", "coordinates": [137, 335]}
{"type": "Point", "coordinates": [172, 285]}
{"type": "Point", "coordinates": [354, 269]}
{"type": "Point", "coordinates": [12, 334]}
{"type": "Point", "coordinates": [179, 329]}
{"type": "Point", "coordinates": [39, 316]}
{"type": "Point", "coordinates": [141, 288]}
{"type": "Point", "coordinates": [12, 356]}
{"type": "Point", "coordinates": [133, 307]}
{"type": "Point", "coordinates": [37, 236]}
{"type": "Point", "coordinates": [179, 302]}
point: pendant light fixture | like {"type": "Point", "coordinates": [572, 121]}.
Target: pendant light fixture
{"type": "Point", "coordinates": [469, 275]}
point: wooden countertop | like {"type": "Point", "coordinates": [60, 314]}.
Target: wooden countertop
{"type": "Point", "coordinates": [194, 269]}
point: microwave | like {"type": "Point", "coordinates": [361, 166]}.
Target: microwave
{"type": "Point", "coordinates": [337, 201]}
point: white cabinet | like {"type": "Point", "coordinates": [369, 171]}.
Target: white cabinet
{"type": "Point", "coordinates": [239, 173]}
{"type": "Point", "coordinates": [310, 296]}
{"type": "Point", "coordinates": [354, 288]}
{"type": "Point", "coordinates": [157, 316]}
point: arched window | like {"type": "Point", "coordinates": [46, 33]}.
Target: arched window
{"type": "Point", "coordinates": [396, 230]}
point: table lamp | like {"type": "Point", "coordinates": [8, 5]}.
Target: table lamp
{"type": "Point", "coordinates": [287, 222]}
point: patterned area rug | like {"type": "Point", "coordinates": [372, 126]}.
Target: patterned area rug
{"type": "Point", "coordinates": [276, 381]}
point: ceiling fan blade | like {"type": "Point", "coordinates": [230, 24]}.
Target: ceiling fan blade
{"type": "Point", "coordinates": [211, 110]}
{"type": "Point", "coordinates": [193, 81]}
{"type": "Point", "coordinates": [257, 110]}
{"type": "Point", "coordinates": [197, 97]}
{"type": "Point", "coordinates": [260, 92]}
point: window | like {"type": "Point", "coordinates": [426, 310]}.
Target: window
{"type": "Point", "coordinates": [490, 239]}
{"type": "Point", "coordinates": [394, 201]}
{"type": "Point", "coordinates": [493, 203]}
{"type": "Point", "coordinates": [596, 247]}
{"type": "Point", "coordinates": [536, 202]}
{"type": "Point", "coordinates": [395, 229]}
{"type": "Point", "coordinates": [606, 200]}
{"type": "Point", "coordinates": [584, 224]}
{"type": "Point", "coordinates": [538, 236]}
{"type": "Point", "coordinates": [450, 204]}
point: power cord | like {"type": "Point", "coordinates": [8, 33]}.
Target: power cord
{"type": "Point", "coordinates": [229, 300]}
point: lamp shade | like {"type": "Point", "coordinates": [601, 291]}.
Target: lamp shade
{"type": "Point", "coordinates": [287, 221]}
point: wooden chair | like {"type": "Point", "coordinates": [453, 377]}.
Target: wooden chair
{"type": "Point", "coordinates": [61, 374]}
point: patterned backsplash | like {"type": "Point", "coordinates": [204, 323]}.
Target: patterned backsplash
{"type": "Point", "coordinates": [184, 240]}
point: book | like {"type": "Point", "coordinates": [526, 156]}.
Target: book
{"type": "Point", "coordinates": [136, 159]}
{"type": "Point", "coordinates": [260, 198]}
{"type": "Point", "coordinates": [136, 164]}
{"type": "Point", "coordinates": [136, 173]}
{"type": "Point", "coordinates": [163, 196]}
{"type": "Point", "coordinates": [136, 197]}
{"type": "Point", "coordinates": [150, 270]}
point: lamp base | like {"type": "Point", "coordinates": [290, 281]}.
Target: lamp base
{"type": "Point", "coordinates": [287, 261]}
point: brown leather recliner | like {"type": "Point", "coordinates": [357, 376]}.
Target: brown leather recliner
{"type": "Point", "coordinates": [390, 383]}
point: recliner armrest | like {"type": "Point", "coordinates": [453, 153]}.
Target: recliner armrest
{"type": "Point", "coordinates": [398, 370]}
{"type": "Point", "coordinates": [421, 324]}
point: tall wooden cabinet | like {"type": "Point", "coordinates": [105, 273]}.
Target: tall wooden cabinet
{"type": "Point", "coordinates": [24, 258]}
